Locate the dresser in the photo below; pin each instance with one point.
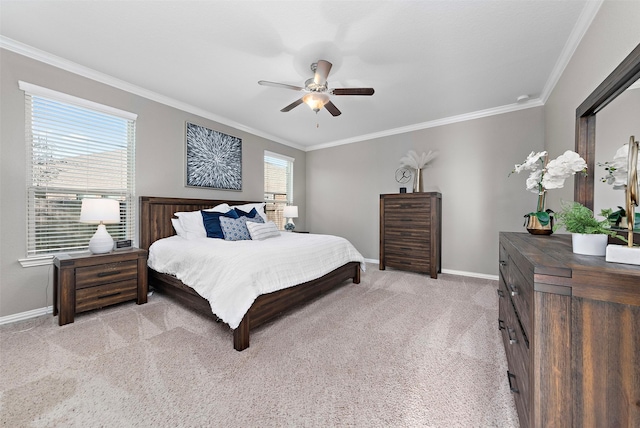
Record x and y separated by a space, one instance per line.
411 232
570 325
85 281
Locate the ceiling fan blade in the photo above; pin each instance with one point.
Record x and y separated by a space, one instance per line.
331 108
279 85
296 103
322 72
353 91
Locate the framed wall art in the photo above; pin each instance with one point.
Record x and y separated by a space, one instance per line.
214 159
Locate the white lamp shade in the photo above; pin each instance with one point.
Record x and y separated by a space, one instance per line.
101 210
290 211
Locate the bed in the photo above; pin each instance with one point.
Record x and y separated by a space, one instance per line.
155 223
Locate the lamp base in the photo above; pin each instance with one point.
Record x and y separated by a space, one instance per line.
101 242
623 254
289 226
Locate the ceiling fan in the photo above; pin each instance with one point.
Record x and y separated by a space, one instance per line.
317 91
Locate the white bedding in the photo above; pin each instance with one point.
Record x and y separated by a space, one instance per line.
232 274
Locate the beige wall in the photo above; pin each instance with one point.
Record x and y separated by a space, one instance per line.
344 184
159 166
612 35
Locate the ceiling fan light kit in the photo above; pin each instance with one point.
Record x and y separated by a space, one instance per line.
317 90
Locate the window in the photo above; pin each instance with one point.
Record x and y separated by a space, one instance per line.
75 149
278 186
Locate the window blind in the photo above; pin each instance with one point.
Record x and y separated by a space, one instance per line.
278 186
74 152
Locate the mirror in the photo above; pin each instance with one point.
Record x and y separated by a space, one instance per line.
613 86
616 123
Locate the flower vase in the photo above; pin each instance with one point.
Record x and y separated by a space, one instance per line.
534 226
417 181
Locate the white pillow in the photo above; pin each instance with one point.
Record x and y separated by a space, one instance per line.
192 223
176 226
260 231
248 207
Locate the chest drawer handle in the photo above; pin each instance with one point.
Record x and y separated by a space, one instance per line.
500 292
511 387
500 324
503 263
512 340
514 290
109 273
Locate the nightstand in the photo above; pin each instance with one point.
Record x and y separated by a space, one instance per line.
85 281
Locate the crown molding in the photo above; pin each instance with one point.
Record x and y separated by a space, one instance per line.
72 67
433 123
583 23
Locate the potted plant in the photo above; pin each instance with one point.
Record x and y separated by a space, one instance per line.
588 235
545 175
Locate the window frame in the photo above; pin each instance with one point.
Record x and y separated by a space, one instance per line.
277 217
37 95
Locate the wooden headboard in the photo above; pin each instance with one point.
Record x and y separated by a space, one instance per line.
156 214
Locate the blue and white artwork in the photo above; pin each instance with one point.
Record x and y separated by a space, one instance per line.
214 159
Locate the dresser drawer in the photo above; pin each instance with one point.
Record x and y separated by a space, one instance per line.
504 261
517 353
406 207
415 264
104 295
395 234
406 246
521 292
91 276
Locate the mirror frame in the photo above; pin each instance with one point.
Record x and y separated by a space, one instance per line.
617 82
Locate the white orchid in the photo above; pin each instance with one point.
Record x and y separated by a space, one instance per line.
412 160
532 162
617 169
561 168
551 175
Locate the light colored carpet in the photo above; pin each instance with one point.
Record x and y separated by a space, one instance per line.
397 350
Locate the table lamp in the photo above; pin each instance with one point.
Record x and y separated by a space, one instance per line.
100 211
290 212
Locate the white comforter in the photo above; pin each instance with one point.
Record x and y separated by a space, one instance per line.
232 274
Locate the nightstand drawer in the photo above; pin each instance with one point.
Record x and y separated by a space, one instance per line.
104 295
91 276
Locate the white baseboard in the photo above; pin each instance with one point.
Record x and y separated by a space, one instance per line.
453 272
26 315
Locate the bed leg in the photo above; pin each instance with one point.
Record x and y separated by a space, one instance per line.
356 277
241 335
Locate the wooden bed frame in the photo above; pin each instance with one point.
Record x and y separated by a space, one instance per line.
155 223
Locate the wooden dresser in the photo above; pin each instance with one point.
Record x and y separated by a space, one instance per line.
411 232
571 331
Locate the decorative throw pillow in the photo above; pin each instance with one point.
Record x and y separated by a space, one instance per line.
259 206
260 231
235 229
192 224
212 222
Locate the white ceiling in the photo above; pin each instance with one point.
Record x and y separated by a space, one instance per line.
429 61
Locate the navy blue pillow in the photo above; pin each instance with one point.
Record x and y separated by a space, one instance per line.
211 222
250 214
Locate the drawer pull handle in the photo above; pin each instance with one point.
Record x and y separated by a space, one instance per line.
511 387
512 340
503 263
500 292
500 324
108 273
108 295
514 290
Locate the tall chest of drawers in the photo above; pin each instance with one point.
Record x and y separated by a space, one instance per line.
411 232
570 325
